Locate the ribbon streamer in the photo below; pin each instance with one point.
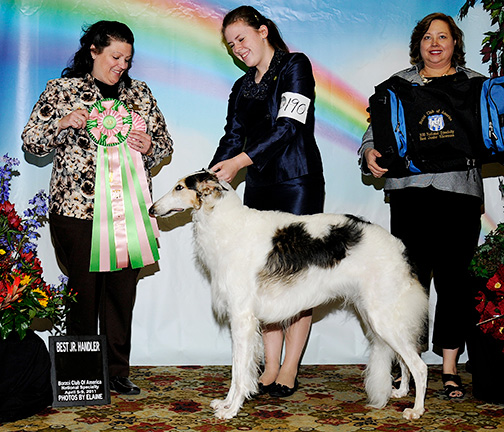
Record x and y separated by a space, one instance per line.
123 232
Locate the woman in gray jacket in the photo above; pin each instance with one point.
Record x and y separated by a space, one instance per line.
436 215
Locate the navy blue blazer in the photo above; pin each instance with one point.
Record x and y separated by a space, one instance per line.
281 149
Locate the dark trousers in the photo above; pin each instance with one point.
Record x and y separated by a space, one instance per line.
440 231
301 196
106 298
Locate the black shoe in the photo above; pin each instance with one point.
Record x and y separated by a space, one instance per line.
449 389
263 389
123 385
283 391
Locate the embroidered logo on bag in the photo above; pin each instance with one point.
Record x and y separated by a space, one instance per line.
436 122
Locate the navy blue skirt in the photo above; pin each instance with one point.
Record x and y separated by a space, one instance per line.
302 196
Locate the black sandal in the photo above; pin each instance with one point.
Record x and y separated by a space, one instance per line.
448 389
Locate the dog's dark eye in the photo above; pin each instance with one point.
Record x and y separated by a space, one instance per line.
179 187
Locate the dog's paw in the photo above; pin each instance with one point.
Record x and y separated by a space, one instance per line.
399 393
217 404
224 414
222 409
412 414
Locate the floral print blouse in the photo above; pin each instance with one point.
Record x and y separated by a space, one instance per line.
74 163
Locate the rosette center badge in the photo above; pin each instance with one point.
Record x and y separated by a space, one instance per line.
109 122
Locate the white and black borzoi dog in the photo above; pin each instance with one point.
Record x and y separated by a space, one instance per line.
267 267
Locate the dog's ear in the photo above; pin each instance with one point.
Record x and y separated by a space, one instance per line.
207 187
209 191
211 186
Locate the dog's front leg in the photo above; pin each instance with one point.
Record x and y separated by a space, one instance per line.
246 341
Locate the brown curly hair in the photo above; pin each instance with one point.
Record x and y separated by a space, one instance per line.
422 27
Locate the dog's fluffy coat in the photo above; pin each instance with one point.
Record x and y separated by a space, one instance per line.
267 267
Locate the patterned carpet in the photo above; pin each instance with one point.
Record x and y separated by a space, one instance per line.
331 397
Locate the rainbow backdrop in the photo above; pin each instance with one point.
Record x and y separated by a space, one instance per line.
192 34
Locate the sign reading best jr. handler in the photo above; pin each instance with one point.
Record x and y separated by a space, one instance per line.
79 370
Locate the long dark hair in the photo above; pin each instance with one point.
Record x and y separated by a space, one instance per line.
99 34
421 28
255 19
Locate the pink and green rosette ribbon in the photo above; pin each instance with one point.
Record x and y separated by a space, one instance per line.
123 231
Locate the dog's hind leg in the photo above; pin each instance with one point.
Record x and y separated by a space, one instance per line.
418 369
378 383
246 342
378 373
405 347
404 384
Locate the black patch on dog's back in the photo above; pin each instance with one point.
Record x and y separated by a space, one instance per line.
294 249
357 219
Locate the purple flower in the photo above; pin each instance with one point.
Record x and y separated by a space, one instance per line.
18 241
39 202
6 164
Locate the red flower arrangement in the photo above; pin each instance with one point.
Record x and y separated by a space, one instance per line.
491 307
24 295
488 263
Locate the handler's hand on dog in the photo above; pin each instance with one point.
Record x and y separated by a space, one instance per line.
227 169
371 155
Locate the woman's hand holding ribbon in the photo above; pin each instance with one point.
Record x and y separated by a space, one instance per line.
76 119
140 141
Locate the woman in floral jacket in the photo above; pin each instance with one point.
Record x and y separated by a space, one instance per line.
58 124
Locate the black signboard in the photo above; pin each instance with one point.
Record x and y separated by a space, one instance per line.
79 370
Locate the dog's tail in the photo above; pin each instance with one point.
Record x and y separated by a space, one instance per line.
378 373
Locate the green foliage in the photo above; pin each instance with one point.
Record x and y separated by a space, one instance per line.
489 256
493 42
